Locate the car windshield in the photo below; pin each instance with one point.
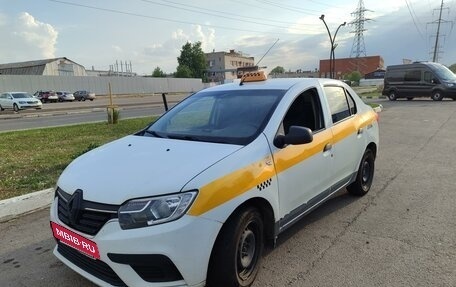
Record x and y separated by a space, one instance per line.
233 117
21 95
444 73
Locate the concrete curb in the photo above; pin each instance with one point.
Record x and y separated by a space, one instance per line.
13 207
378 109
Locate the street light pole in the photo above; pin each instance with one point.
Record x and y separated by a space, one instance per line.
332 56
334 48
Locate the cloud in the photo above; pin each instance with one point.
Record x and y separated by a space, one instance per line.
117 49
25 38
164 54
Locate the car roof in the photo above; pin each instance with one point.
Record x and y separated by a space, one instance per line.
272 84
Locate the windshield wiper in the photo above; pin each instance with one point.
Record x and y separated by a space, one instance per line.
154 133
184 137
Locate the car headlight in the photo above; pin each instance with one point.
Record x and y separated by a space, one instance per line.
450 84
144 212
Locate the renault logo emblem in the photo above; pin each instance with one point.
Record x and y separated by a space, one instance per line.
75 206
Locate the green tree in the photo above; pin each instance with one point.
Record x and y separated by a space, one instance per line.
354 76
453 68
158 73
192 57
278 70
183 72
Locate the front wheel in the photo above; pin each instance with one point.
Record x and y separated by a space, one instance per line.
16 108
365 175
237 252
392 96
1 108
437 96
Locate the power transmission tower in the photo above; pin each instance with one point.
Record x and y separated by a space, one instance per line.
358 47
436 51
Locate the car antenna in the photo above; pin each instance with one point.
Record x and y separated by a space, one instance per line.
257 67
267 51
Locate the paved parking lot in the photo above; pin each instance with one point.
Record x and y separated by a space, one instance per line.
403 233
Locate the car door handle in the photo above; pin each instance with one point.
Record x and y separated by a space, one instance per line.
327 147
360 131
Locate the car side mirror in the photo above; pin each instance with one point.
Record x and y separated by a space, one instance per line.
295 136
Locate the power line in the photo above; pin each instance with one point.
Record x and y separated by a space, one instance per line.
290 8
212 14
324 4
236 15
161 18
413 18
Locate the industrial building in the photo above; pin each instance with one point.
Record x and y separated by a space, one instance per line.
222 66
47 67
344 66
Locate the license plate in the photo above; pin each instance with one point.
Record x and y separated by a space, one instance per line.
78 242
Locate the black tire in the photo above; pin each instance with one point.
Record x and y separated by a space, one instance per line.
437 96
409 98
15 108
91 100
1 108
83 99
365 175
392 96
235 259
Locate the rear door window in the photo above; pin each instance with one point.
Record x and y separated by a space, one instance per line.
341 104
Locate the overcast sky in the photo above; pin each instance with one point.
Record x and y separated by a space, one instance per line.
150 33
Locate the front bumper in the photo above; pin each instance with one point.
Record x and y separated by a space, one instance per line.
186 243
29 106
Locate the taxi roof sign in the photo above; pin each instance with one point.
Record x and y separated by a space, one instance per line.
256 76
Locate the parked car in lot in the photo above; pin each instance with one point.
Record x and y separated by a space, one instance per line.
84 95
233 167
19 101
46 96
419 79
65 96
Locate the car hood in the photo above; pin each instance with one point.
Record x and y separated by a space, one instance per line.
137 166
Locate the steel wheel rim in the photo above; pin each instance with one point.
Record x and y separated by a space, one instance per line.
247 252
366 174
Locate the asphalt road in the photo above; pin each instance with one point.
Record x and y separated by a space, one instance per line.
402 233
60 114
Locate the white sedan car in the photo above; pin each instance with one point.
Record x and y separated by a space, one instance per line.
19 101
192 198
65 96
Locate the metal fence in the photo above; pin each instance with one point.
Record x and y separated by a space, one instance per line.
99 85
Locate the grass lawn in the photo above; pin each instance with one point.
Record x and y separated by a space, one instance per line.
32 160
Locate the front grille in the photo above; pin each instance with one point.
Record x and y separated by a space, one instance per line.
97 268
89 217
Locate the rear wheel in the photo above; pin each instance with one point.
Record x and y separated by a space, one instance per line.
1 108
392 96
83 99
15 108
437 96
236 256
365 175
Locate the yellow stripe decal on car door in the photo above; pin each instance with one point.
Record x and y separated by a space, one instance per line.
242 180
